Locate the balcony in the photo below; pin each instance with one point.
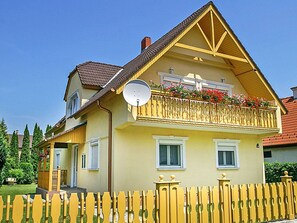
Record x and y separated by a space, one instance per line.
166 109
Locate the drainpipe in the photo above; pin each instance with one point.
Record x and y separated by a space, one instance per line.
109 172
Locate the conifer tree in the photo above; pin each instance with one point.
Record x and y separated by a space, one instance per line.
37 138
3 152
25 155
3 130
14 149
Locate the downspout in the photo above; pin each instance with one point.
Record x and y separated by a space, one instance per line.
109 172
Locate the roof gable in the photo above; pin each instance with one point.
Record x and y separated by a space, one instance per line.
221 42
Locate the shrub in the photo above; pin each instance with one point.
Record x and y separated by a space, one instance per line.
16 173
274 171
27 169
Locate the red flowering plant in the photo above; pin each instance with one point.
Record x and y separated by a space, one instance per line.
211 95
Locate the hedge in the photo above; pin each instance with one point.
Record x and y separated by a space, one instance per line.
273 171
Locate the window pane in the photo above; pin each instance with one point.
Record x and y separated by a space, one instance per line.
229 158
163 155
221 158
94 162
174 155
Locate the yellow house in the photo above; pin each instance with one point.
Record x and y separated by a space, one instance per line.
105 144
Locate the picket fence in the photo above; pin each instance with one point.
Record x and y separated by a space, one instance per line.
169 203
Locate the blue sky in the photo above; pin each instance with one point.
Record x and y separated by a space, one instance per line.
42 41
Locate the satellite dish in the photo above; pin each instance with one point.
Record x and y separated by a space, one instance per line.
137 92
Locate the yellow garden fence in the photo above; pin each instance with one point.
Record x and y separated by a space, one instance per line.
169 203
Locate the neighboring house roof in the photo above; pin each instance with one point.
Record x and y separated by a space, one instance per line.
289 125
20 140
93 75
156 48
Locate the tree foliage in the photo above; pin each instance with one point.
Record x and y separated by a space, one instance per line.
14 149
3 152
3 130
37 138
25 154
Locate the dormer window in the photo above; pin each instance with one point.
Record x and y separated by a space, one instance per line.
72 104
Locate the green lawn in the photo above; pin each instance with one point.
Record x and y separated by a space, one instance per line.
16 189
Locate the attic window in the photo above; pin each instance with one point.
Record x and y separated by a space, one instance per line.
72 104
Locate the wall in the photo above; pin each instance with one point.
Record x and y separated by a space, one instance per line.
282 154
135 158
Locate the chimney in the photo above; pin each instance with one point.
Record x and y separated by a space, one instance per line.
294 89
145 42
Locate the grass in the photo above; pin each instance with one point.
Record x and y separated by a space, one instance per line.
16 190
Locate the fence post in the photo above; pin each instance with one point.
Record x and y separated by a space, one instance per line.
167 199
58 178
225 199
287 180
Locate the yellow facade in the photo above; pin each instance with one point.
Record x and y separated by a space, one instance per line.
135 163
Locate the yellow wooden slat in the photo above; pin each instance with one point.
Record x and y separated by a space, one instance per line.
150 206
114 207
180 205
55 208
251 202
267 202
90 207
106 204
7 208
281 202
274 203
193 199
121 206
204 199
82 207
157 206
37 207
235 203
18 208
46 208
28 207
136 206
73 207
259 203
143 207
295 197
216 205
243 203
98 208
1 208
65 206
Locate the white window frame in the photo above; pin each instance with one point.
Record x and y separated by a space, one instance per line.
197 84
227 142
84 161
90 158
171 140
71 108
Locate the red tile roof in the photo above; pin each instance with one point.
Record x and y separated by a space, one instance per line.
289 125
95 74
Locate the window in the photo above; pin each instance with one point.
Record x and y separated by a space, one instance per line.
72 104
93 158
83 161
170 152
192 83
227 153
267 154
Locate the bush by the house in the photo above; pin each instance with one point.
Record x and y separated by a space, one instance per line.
28 176
18 174
273 171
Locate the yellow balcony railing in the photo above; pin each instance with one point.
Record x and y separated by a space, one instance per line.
164 108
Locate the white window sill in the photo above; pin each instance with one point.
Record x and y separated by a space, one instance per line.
228 168
93 169
171 168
